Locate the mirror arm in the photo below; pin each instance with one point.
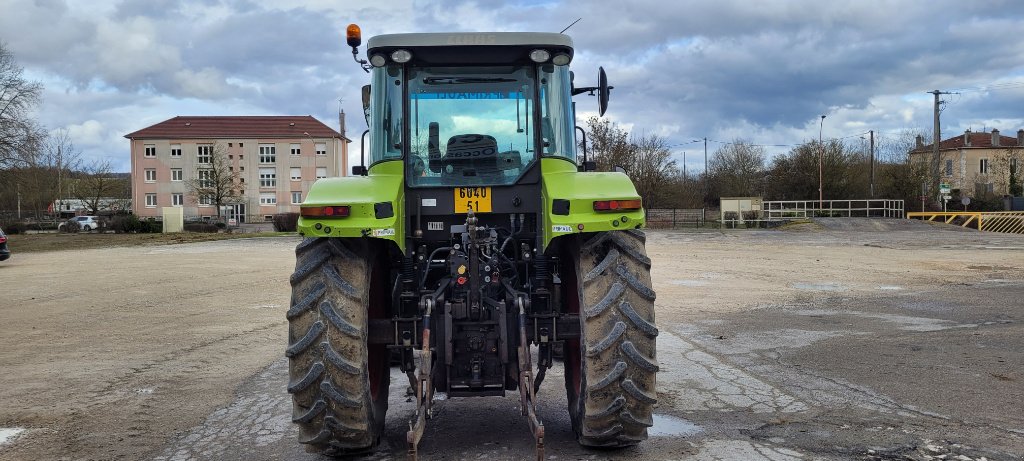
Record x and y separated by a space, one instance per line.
361 169
362 62
585 89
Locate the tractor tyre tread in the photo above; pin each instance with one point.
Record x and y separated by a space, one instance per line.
329 381
617 347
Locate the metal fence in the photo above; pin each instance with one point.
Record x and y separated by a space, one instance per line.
864 208
671 218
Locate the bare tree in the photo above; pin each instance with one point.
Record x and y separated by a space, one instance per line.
651 168
737 169
215 182
40 178
99 189
19 134
609 144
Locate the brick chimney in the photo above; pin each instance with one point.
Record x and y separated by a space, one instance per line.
1020 138
920 141
967 138
995 137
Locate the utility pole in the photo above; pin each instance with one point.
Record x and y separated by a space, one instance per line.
705 170
872 132
936 138
821 154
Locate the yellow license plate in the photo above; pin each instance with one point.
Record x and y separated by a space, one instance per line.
476 198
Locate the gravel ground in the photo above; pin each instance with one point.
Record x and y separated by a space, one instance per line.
836 339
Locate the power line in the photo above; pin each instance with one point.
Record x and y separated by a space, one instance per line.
731 143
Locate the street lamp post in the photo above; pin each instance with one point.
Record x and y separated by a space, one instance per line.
821 153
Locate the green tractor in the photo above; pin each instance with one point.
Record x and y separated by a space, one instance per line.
474 248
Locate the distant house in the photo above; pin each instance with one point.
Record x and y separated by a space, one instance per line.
976 163
277 159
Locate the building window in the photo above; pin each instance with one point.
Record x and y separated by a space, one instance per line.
321 172
177 199
175 150
204 153
983 166
205 178
296 197
267 154
296 149
150 150
1013 166
176 174
949 168
205 200
268 198
321 149
296 174
150 200
150 175
268 177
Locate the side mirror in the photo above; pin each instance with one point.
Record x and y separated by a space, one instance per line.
366 103
359 170
603 91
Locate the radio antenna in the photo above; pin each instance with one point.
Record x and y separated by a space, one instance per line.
570 25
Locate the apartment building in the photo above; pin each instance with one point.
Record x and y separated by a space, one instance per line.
276 159
976 163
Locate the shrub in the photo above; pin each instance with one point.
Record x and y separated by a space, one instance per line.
221 224
151 226
200 226
70 226
286 222
15 228
125 224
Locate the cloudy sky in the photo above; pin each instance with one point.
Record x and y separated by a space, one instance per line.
763 71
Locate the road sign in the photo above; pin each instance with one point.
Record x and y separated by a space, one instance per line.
965 201
947 197
944 189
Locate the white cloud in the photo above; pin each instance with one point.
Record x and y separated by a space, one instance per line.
721 69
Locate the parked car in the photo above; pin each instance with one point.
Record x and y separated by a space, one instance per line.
4 251
85 223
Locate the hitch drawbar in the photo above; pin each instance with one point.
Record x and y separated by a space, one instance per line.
424 385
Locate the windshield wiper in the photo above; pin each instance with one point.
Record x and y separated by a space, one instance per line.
461 80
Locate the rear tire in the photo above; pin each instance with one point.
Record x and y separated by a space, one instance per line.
339 383
610 370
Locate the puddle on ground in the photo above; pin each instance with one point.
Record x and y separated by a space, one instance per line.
9 433
905 322
689 283
668 426
818 286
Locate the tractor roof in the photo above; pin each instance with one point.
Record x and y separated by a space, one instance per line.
539 39
470 47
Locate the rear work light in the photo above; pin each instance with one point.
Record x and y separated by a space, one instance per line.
616 205
325 211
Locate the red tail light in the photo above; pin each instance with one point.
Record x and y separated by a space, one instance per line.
325 211
3 239
616 205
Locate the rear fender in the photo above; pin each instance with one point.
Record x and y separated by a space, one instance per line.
375 202
562 182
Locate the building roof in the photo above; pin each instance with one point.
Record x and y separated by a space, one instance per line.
979 139
249 126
